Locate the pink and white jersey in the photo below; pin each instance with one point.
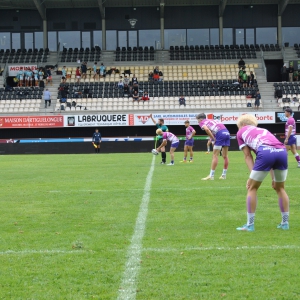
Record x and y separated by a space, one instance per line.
290 122
170 137
188 132
254 137
213 125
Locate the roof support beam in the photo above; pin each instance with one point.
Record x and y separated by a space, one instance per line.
162 8
282 6
102 8
222 6
41 8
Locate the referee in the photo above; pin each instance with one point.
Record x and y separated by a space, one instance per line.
160 125
96 140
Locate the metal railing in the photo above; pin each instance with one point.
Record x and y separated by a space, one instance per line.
263 63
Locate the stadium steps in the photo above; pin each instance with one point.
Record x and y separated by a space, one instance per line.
289 54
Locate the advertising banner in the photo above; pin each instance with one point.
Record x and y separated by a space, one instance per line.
96 120
281 118
14 69
31 121
179 118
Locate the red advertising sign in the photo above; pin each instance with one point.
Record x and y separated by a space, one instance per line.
31 121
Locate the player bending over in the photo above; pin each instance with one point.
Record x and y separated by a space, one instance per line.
271 156
168 136
220 135
189 141
290 134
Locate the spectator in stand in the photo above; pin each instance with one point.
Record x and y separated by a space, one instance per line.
251 79
257 100
49 76
20 77
41 74
134 80
296 75
245 79
95 70
78 74
284 73
102 70
121 83
240 75
47 98
145 96
126 80
36 77
126 90
181 100
135 96
241 63
156 70
83 70
63 94
156 77
150 76
64 74
278 94
291 73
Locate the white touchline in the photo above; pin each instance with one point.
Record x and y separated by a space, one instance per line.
272 247
22 252
128 285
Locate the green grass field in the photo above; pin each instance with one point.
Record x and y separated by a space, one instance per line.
68 230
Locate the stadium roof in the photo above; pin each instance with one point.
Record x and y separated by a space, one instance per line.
37 4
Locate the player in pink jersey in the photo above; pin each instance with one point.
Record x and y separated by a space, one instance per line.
290 134
220 135
168 136
189 141
271 156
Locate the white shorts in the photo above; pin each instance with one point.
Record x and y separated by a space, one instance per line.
279 175
217 147
78 77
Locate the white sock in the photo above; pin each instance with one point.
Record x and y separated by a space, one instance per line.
224 172
212 173
208 149
285 218
250 219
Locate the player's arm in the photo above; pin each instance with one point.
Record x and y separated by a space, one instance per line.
288 134
153 120
100 137
248 157
208 132
192 134
163 144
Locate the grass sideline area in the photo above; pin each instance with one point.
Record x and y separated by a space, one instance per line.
67 223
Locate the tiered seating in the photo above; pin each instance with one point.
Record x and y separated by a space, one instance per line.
290 92
87 54
21 93
24 56
135 54
212 52
207 86
17 106
297 49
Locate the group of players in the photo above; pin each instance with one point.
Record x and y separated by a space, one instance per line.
271 156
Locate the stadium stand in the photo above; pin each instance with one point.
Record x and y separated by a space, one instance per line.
24 56
135 54
87 54
290 94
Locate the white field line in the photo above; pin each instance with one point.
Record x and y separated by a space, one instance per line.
128 285
22 252
271 247
164 188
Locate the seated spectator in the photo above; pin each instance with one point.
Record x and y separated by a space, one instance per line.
145 96
240 75
150 76
134 80
121 83
126 80
135 96
135 87
126 90
156 70
156 77
257 100
181 100
63 95
251 79
241 63
245 79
